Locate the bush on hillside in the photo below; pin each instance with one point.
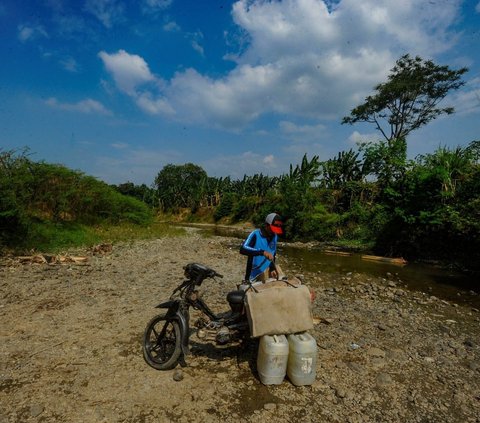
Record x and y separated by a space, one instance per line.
36 192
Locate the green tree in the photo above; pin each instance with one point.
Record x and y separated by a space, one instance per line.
305 174
387 161
409 99
340 170
180 186
54 187
343 178
448 167
141 192
438 212
225 207
15 192
299 198
39 201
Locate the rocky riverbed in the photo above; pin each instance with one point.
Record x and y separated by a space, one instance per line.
70 346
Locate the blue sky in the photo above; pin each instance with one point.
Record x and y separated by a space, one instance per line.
119 88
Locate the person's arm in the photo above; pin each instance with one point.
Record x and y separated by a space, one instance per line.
248 246
272 265
248 249
273 268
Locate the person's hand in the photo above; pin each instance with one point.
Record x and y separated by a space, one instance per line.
268 255
274 274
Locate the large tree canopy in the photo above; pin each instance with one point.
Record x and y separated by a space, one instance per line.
409 99
180 186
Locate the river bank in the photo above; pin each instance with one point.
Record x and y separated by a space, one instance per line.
71 346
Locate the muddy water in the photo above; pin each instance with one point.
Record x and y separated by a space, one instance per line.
443 283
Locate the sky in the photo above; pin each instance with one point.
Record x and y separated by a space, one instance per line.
118 89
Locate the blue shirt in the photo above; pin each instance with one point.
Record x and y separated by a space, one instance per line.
254 246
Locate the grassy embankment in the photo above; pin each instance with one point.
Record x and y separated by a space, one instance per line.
54 238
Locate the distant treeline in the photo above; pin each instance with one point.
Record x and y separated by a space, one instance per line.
427 208
38 199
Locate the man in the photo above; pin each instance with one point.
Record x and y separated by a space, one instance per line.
261 248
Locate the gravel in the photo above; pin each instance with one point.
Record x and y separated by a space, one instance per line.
70 346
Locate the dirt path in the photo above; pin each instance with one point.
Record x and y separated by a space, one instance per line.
70 347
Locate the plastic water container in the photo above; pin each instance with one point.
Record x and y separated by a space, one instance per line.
272 359
302 358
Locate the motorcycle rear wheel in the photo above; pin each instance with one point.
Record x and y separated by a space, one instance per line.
162 343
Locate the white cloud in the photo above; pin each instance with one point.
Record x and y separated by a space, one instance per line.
30 32
155 5
269 160
468 101
69 64
87 106
198 48
171 26
302 132
153 106
196 39
132 76
128 70
231 102
477 7
108 12
119 145
160 4
247 163
357 138
303 59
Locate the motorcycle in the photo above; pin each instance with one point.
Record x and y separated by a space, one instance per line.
166 336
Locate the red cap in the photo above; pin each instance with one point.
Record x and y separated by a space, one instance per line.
276 228
275 223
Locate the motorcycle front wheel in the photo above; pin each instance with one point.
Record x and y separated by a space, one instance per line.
161 343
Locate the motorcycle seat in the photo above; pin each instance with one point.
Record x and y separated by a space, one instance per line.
236 297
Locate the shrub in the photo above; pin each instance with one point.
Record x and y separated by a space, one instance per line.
225 208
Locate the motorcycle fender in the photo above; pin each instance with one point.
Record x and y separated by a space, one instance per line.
168 304
175 314
185 330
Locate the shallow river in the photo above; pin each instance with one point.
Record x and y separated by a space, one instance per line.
442 283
